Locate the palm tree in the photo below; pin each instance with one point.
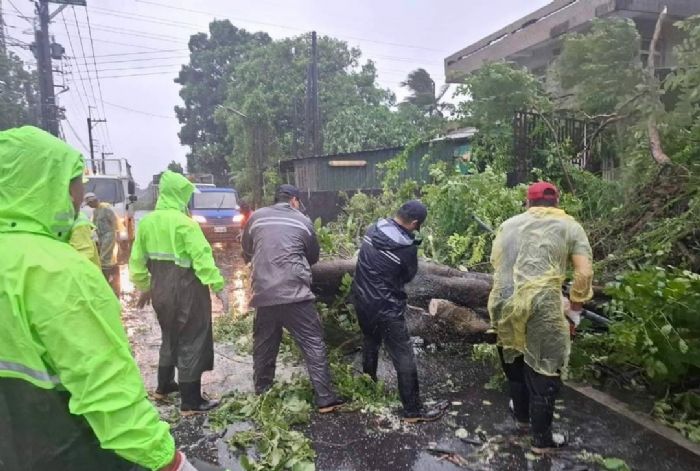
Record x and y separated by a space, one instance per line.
423 95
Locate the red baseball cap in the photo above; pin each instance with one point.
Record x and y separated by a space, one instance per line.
538 191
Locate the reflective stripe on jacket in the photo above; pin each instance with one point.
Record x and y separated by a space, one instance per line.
168 234
281 243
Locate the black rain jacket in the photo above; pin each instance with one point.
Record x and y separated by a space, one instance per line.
388 260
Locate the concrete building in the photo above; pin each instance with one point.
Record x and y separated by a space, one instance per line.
535 40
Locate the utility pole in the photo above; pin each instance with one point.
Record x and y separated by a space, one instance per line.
3 46
312 138
49 119
90 125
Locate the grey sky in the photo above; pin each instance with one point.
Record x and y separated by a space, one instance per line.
133 38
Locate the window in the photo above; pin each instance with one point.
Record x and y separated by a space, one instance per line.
214 200
106 189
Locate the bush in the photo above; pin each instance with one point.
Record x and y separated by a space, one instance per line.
657 325
462 209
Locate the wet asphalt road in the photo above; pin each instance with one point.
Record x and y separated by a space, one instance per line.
361 442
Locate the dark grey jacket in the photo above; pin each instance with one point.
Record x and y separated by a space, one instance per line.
281 243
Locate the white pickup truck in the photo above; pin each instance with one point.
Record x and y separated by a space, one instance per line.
111 181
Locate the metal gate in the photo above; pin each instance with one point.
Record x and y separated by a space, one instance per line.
585 145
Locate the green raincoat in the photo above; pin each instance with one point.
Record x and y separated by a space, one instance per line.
172 259
168 234
530 256
62 346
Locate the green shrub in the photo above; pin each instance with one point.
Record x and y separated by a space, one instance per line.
657 326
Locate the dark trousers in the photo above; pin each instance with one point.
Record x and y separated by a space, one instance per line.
38 432
302 321
392 332
183 306
533 396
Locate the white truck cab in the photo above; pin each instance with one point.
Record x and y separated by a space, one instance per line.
111 181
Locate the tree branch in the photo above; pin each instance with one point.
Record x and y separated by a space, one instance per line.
657 151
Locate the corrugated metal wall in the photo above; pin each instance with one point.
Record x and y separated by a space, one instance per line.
316 174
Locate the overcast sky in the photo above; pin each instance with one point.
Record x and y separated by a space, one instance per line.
139 45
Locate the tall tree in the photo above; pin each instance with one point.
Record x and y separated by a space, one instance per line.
212 59
18 93
176 167
423 94
265 108
601 68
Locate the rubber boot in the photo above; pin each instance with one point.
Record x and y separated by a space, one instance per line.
520 404
192 401
541 415
166 382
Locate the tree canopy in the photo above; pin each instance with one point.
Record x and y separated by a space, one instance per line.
203 83
18 93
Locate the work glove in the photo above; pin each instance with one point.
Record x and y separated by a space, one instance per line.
144 298
223 297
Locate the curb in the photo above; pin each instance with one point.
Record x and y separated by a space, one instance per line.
645 421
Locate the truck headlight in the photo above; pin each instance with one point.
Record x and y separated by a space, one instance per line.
199 219
238 218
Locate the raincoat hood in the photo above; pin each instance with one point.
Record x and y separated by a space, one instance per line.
175 191
35 172
389 235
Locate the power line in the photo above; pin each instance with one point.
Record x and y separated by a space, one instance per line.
77 65
19 13
154 115
77 137
143 59
141 67
139 75
97 76
172 7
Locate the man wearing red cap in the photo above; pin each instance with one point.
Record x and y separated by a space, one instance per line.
530 256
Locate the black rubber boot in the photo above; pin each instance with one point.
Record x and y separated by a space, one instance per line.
541 415
426 414
166 382
519 405
192 401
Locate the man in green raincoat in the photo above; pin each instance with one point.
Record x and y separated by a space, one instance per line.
71 397
172 263
530 256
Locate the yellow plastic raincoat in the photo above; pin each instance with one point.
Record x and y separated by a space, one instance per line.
69 386
82 240
107 226
530 256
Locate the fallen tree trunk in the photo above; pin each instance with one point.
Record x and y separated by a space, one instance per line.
432 281
446 323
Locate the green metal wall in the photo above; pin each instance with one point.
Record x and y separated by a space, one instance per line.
315 174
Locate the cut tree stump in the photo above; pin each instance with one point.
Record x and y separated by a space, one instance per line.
449 323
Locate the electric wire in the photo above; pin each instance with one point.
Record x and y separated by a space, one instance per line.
97 77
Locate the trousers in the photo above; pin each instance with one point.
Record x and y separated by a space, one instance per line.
303 323
533 395
391 332
183 306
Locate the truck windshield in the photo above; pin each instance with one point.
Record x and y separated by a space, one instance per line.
109 190
214 200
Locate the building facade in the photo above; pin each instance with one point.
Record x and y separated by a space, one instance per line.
534 41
